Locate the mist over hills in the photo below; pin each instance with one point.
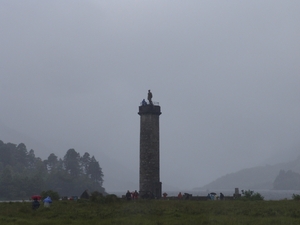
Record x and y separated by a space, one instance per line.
260 177
8 134
118 177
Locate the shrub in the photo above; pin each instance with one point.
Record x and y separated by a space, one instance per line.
96 196
296 197
251 195
53 194
111 198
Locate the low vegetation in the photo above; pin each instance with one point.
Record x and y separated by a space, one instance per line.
52 194
251 195
110 210
296 197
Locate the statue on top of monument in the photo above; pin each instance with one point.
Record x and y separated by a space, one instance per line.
150 97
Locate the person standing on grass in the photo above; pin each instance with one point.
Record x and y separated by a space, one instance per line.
135 195
179 195
35 204
221 196
128 195
165 195
47 201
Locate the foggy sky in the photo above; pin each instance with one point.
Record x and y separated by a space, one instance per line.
225 73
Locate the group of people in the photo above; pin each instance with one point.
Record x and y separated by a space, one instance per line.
132 195
214 196
135 195
184 196
36 204
210 196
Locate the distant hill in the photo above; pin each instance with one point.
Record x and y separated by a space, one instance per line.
261 177
287 180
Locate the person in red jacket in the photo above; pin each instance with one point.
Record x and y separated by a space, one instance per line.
135 195
179 195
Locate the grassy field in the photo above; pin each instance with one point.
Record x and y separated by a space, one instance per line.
158 212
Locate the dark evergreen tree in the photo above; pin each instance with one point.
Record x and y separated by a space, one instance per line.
7 188
22 174
6 155
51 162
31 160
20 157
85 162
95 172
71 162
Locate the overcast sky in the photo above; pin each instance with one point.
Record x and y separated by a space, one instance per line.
225 73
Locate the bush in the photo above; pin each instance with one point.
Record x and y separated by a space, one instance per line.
251 195
96 196
111 198
296 197
52 194
99 198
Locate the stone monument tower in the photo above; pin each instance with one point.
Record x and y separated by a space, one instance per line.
150 185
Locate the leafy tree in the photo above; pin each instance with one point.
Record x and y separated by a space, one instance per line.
52 194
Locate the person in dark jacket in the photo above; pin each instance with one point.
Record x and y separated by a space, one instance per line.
128 195
144 102
221 196
35 204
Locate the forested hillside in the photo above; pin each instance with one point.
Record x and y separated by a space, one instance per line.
287 180
262 177
23 175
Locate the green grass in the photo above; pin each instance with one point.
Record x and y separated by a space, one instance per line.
158 212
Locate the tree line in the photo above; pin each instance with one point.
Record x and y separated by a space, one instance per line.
22 174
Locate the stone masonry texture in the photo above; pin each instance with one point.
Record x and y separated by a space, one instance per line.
149 151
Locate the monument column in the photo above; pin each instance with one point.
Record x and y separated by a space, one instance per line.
150 184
